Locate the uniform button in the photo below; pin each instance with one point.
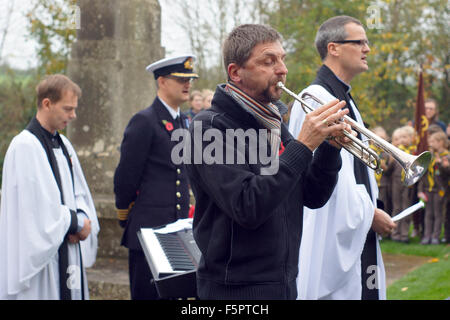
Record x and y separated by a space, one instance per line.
178 195
178 207
179 171
178 182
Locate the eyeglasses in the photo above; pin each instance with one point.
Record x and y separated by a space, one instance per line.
181 80
361 42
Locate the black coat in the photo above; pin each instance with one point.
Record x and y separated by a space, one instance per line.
248 226
146 175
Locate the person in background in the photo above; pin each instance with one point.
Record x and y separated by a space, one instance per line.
196 104
447 210
383 178
401 194
48 222
340 257
411 135
151 190
434 188
419 216
411 148
207 98
432 113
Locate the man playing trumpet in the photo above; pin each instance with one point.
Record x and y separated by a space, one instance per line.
340 257
247 225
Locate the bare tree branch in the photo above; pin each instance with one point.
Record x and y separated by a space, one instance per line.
9 11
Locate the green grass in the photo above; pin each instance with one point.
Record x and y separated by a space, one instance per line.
414 248
431 281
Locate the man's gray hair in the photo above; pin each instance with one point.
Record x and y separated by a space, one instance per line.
239 44
332 30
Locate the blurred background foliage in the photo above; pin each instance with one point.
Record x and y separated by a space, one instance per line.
47 25
409 34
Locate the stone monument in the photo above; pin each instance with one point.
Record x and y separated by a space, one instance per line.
116 40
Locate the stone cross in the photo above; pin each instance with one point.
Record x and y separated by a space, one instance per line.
116 40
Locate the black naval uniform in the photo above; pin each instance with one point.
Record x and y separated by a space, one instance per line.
148 183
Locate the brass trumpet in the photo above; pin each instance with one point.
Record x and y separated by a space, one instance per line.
413 166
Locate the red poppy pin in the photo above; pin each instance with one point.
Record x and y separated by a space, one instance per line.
280 152
168 125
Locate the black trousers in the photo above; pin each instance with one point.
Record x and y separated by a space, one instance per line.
141 284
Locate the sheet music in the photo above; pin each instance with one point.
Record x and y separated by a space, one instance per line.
408 211
176 226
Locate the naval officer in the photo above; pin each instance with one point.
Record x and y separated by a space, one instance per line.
150 190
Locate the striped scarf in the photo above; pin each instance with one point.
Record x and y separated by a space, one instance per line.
267 115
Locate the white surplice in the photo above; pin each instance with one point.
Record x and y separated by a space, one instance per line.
33 222
334 235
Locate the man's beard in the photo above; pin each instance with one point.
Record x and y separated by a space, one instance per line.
267 96
263 96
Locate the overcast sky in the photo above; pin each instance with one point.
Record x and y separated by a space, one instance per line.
19 51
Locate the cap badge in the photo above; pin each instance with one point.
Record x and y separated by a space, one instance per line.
188 64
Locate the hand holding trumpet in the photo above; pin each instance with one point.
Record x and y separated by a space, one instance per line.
322 123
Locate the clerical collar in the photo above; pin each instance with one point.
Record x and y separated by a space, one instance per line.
346 86
172 112
326 71
53 138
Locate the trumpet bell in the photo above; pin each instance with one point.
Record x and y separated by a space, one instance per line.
416 168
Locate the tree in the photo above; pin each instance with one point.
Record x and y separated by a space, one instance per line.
206 25
4 26
50 26
412 33
17 101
